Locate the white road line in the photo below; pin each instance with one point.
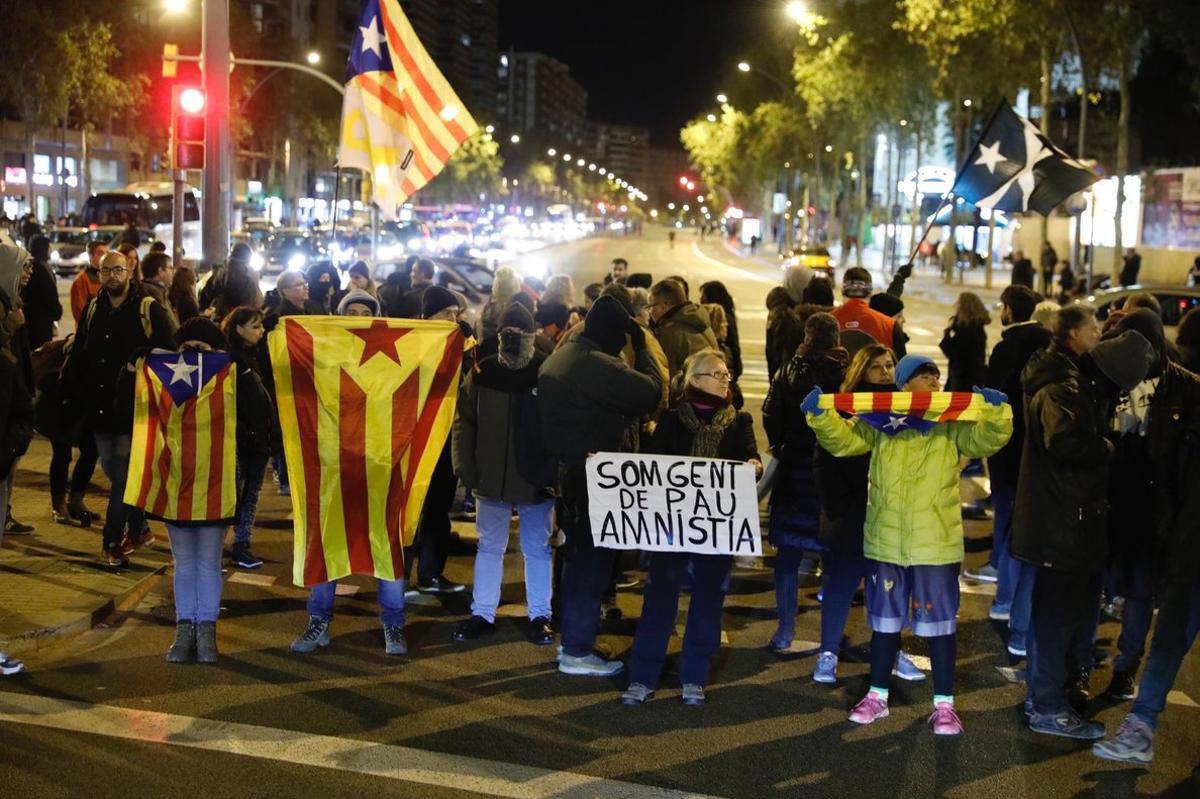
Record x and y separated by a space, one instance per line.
723 265
325 751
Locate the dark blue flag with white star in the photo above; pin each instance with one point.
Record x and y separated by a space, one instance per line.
1013 167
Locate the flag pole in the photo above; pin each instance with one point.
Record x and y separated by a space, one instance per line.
957 177
337 185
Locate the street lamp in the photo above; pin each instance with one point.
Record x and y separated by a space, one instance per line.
313 57
828 148
490 129
722 98
743 66
711 117
552 152
799 13
566 156
175 6
515 139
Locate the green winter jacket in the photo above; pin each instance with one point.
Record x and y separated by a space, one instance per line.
913 505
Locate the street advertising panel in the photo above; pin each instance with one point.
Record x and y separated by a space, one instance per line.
673 503
1171 214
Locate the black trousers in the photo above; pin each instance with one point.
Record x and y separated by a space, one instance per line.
1064 610
432 543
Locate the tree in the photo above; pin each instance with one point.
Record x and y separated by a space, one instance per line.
474 169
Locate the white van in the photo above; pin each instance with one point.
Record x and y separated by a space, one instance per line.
148 206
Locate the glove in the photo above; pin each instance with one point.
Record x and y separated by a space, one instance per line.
990 395
905 271
809 404
637 336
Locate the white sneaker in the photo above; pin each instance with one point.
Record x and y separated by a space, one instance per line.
590 666
9 666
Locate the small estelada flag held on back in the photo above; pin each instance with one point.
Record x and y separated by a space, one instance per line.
892 413
1014 167
365 406
183 456
401 121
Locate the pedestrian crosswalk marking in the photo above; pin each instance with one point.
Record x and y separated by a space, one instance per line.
369 758
252 578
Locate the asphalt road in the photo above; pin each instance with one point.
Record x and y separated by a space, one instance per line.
103 715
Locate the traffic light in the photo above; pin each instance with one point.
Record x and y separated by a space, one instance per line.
187 127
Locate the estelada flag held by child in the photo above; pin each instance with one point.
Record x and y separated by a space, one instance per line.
365 406
182 459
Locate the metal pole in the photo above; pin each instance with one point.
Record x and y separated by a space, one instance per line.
218 172
180 177
337 185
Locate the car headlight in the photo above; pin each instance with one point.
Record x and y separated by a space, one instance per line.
55 255
415 244
256 260
297 261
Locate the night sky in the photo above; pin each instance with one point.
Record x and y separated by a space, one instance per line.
651 63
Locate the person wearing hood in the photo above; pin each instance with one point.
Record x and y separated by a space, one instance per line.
588 396
358 302
16 268
1021 338
1172 437
1150 428
1061 511
40 296
795 508
323 283
391 293
497 453
913 533
704 425
681 327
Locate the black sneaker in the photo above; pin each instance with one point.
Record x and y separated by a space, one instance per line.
440 585
540 631
1079 688
243 558
1066 725
473 628
1122 686
14 527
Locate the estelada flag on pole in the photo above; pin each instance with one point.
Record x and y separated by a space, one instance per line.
183 455
904 410
401 121
365 406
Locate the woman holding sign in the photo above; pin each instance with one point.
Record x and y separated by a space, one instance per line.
703 425
913 535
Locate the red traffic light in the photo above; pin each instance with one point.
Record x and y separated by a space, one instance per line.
191 101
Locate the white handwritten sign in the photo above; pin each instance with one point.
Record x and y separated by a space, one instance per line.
670 503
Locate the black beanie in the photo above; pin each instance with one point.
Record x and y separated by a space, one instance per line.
1124 359
1149 324
524 300
820 332
552 313
606 324
516 316
201 328
437 299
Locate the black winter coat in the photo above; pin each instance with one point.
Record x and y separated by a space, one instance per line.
795 503
108 340
1060 518
42 306
16 412
1012 352
586 397
258 430
965 346
673 437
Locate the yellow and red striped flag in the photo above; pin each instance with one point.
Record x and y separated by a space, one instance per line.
183 456
401 121
892 412
366 406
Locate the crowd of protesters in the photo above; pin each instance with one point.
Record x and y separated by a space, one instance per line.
1092 480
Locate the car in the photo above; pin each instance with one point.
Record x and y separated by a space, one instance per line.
816 258
68 249
109 233
467 276
1174 300
289 248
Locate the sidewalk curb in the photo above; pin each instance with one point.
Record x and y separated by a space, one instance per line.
36 640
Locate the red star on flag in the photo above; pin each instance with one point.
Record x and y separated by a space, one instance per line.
379 338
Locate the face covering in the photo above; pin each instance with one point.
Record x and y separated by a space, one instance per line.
516 348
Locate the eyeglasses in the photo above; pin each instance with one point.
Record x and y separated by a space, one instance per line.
113 270
723 377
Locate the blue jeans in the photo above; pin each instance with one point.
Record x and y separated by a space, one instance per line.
586 567
113 449
491 521
844 573
787 583
197 554
1003 496
280 465
391 601
1178 623
1137 571
660 605
252 469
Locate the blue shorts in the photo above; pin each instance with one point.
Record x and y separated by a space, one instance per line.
928 595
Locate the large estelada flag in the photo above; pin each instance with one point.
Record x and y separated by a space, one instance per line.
1013 167
401 121
904 410
183 456
366 406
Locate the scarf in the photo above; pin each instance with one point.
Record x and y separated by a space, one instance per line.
516 348
706 436
893 412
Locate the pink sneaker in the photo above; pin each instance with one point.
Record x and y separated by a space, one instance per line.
945 721
870 708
